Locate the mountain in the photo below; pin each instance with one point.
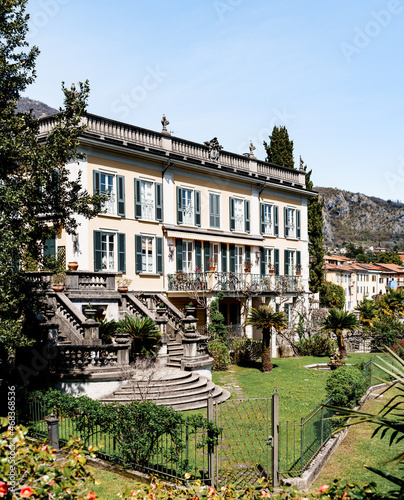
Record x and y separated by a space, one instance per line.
357 218
39 109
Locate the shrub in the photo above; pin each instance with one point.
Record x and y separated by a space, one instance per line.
217 329
346 385
144 331
318 345
245 350
398 348
107 330
332 295
220 353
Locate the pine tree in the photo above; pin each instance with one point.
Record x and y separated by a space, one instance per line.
280 149
36 195
315 228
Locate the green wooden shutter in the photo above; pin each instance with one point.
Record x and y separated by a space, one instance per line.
198 254
49 247
206 255
298 259
120 180
276 220
97 251
298 231
263 261
285 221
178 251
159 201
286 263
121 253
247 216
197 195
179 209
276 261
138 254
262 211
96 182
232 258
138 199
159 255
224 257
247 253
232 217
212 217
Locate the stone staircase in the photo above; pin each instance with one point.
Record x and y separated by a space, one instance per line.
169 387
175 352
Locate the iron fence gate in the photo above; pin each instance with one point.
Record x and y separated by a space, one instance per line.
243 454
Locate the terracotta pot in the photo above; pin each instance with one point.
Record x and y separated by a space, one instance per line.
122 289
212 268
272 271
58 287
73 266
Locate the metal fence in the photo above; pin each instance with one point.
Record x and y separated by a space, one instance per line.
168 461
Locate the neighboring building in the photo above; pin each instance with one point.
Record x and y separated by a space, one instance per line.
360 280
189 220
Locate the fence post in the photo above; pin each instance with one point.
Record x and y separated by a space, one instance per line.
370 371
211 448
275 438
53 433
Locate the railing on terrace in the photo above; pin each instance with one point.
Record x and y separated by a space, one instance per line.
148 139
169 461
233 282
85 357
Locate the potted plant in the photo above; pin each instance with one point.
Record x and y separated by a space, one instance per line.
190 309
161 308
123 284
73 265
90 311
298 269
271 268
212 263
58 281
247 265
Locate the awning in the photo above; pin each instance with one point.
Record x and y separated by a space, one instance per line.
202 236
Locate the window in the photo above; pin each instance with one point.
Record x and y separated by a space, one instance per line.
270 261
187 263
239 215
148 200
188 207
214 255
112 186
292 223
214 210
292 262
109 251
149 254
239 259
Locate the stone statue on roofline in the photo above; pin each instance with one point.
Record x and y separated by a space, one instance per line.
165 122
214 148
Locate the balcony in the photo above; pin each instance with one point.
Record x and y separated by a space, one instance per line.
233 282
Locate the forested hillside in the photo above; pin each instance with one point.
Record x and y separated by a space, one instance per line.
39 108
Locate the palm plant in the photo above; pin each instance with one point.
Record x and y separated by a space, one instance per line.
143 330
392 302
390 419
369 310
337 321
264 318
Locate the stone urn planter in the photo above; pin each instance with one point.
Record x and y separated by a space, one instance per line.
73 265
190 311
58 287
90 312
123 289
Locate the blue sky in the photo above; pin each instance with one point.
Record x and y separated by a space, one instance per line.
331 72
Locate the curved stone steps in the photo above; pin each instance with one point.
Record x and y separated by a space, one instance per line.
171 387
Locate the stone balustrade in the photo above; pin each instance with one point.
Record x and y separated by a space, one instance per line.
85 357
164 144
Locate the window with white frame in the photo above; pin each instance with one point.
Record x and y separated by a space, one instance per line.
290 226
292 262
214 210
147 199
239 214
188 207
107 187
108 251
239 259
149 254
268 256
112 186
267 220
215 252
187 256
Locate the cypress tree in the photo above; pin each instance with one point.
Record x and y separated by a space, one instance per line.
280 149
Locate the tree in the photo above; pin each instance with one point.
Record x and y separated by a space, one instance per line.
37 197
387 258
264 318
332 295
280 149
369 310
315 228
392 303
337 321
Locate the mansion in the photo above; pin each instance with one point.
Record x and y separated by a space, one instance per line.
185 221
